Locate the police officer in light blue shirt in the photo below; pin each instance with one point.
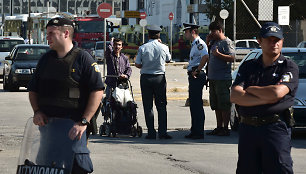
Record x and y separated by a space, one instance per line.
197 80
151 60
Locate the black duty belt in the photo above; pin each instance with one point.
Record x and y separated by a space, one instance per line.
190 72
259 121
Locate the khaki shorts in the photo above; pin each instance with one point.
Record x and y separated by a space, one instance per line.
219 94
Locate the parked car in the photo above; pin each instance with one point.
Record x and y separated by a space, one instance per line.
21 64
243 47
6 45
98 52
302 44
298 55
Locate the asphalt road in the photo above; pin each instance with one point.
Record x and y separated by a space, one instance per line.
124 155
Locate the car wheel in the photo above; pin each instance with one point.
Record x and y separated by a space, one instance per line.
234 120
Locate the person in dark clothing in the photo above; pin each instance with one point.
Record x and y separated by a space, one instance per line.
66 84
264 91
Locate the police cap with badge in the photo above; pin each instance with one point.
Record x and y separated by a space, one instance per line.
60 22
154 29
271 29
190 26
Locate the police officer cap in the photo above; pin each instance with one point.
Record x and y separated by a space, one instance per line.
60 22
188 26
271 29
154 28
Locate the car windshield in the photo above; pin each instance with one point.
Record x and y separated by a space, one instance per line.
300 59
90 26
30 53
7 45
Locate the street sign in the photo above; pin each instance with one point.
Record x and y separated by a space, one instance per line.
171 16
143 15
283 15
223 14
131 14
143 22
104 10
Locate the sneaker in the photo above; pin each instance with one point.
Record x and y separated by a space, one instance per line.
215 131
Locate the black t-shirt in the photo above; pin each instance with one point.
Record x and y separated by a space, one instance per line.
84 70
252 73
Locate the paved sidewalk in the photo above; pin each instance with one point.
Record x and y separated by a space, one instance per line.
177 83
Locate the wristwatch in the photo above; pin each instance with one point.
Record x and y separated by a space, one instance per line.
84 122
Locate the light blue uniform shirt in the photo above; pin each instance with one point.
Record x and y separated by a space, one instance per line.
198 50
153 56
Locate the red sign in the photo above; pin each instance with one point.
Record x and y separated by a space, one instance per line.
104 10
143 15
171 16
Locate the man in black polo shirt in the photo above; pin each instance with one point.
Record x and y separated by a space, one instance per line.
264 91
66 84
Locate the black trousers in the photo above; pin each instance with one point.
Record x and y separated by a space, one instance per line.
196 103
154 86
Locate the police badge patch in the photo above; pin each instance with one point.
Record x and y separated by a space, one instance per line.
96 66
200 47
286 78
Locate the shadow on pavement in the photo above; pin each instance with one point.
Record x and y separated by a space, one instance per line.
177 138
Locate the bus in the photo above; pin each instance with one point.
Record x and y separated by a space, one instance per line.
89 30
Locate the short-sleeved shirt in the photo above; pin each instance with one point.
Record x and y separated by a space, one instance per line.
198 50
84 70
252 73
153 56
219 69
116 65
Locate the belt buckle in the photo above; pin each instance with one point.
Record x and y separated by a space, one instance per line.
255 121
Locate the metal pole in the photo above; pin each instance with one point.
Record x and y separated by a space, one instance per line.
67 5
224 25
171 37
113 4
234 27
104 62
143 34
75 7
29 23
120 8
250 12
11 9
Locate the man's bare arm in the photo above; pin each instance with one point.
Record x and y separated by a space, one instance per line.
243 98
271 92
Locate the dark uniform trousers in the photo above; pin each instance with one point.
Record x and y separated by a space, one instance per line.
264 149
196 103
154 86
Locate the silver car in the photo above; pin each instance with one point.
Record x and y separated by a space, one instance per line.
98 52
7 43
298 55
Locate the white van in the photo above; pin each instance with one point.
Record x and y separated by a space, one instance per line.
243 47
7 43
